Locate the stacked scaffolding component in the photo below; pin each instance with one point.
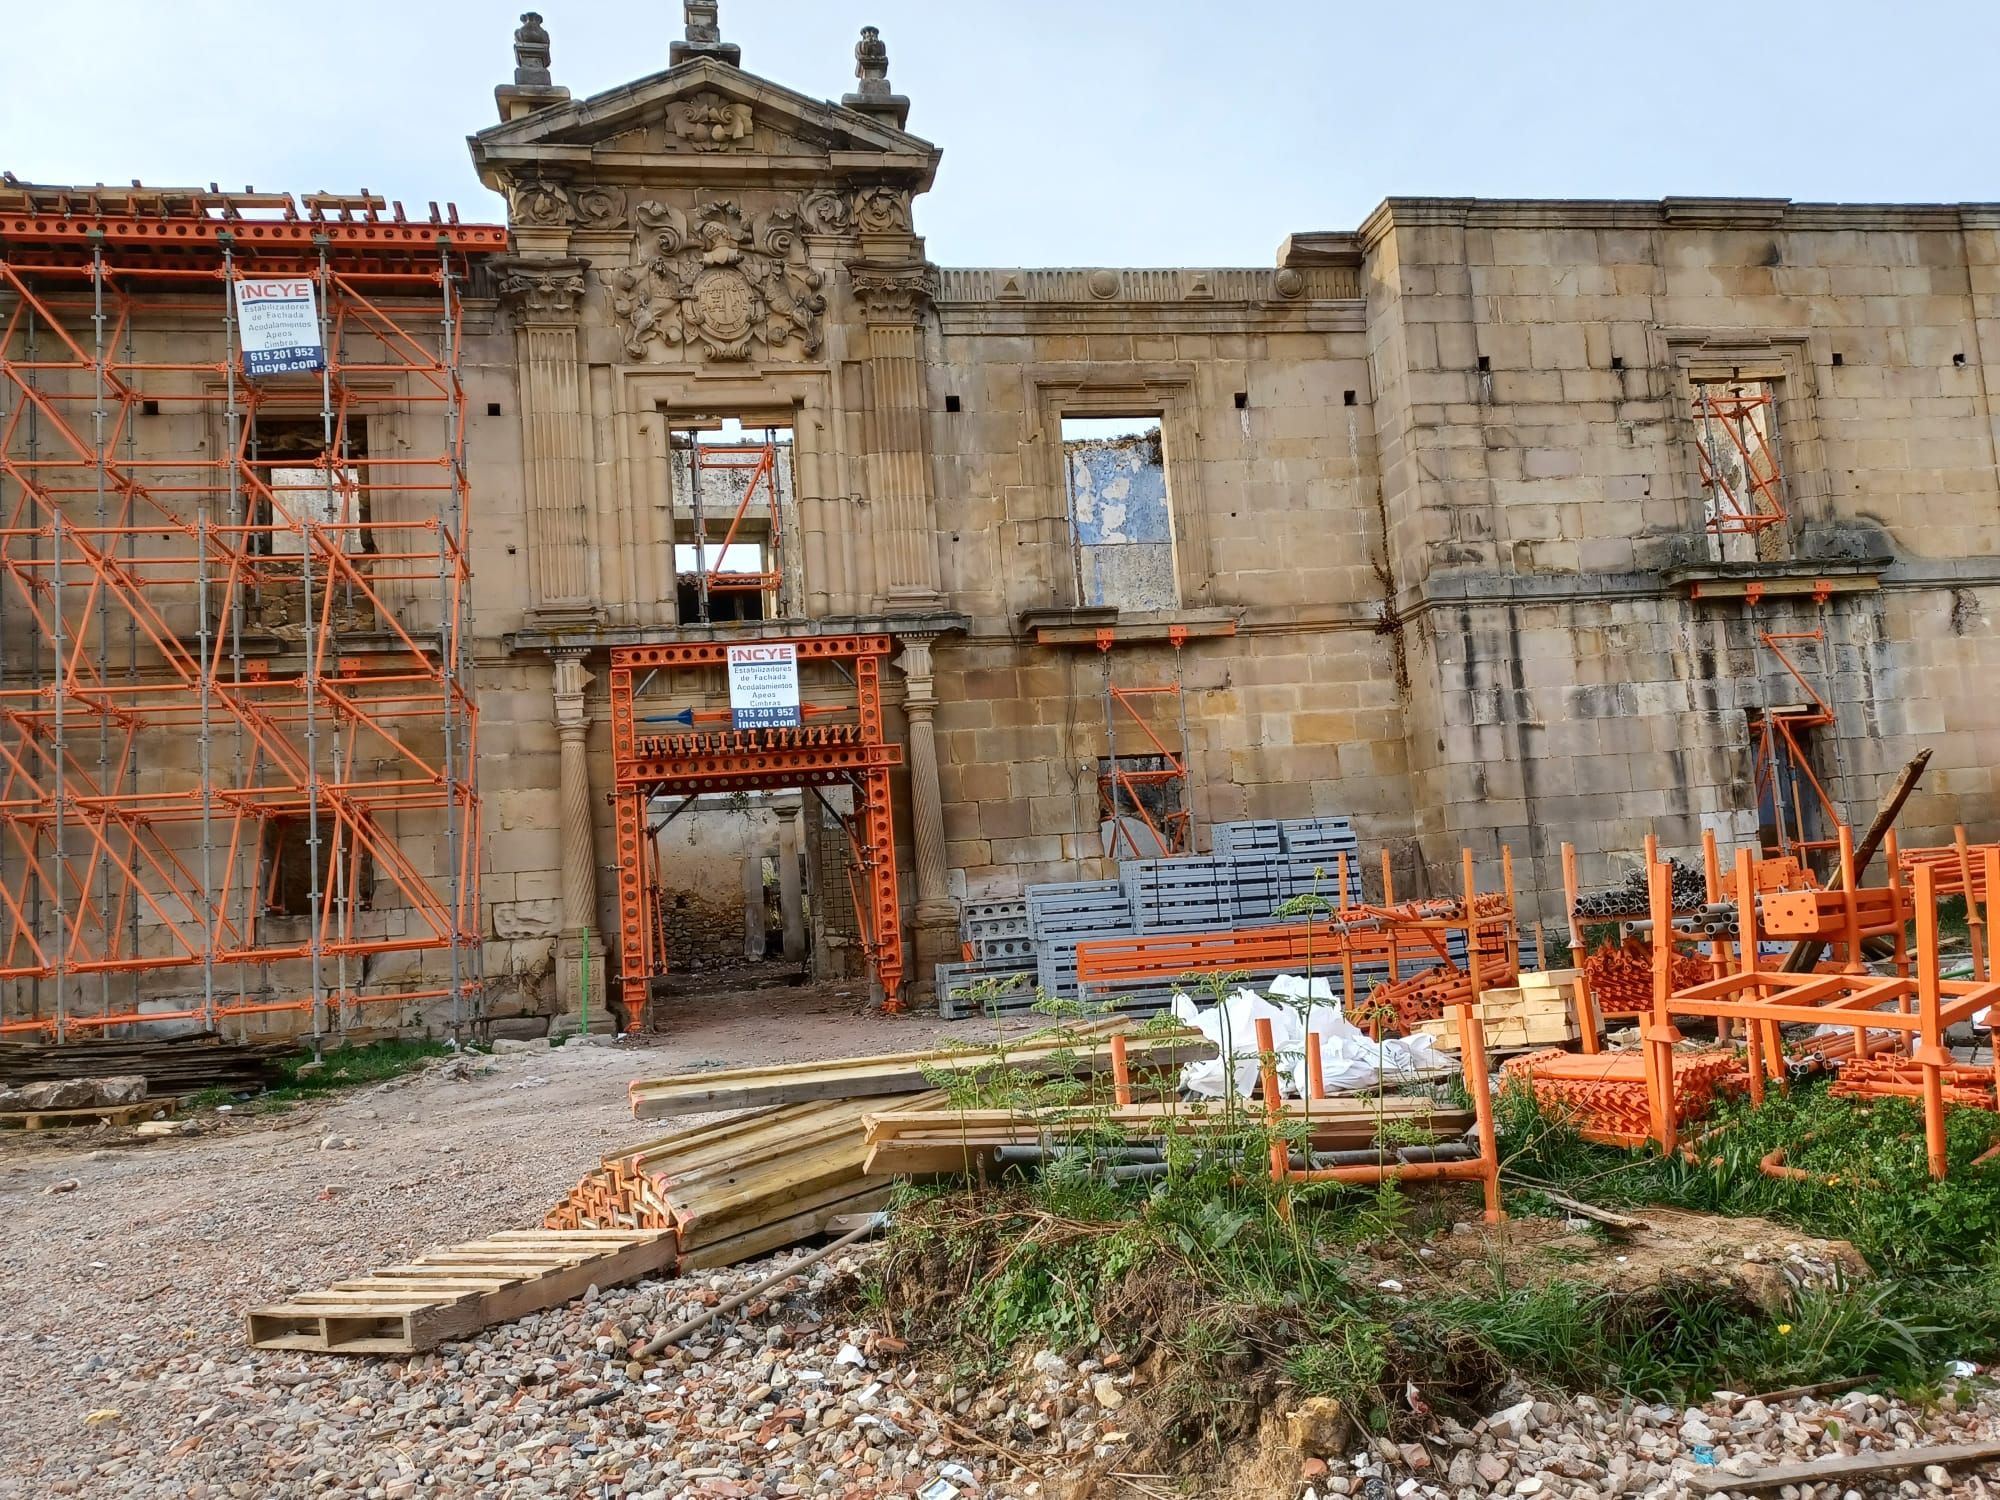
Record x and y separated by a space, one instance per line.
232 666
1256 868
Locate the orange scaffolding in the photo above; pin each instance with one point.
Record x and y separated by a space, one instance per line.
1739 468
218 657
849 747
758 465
1145 768
1784 772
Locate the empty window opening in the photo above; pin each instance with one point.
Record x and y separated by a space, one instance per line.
1120 515
287 457
734 514
346 876
951 403
1742 479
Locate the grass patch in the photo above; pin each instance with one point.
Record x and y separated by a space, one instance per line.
346 1068
1230 1298
1874 1187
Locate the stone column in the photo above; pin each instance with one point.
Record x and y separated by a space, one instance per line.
754 930
936 912
895 299
579 860
545 295
791 891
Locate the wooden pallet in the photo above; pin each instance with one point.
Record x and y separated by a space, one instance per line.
99 1114
451 1293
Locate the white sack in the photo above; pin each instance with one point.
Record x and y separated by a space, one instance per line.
1349 1057
1232 1027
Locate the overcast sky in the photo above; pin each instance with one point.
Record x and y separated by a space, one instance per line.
1075 132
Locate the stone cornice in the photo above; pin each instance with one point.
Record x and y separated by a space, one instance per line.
1277 286
1665 214
599 638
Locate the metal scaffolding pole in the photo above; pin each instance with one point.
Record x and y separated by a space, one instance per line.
309 532
451 628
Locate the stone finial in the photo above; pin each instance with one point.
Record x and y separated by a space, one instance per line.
871 62
531 53
871 66
703 36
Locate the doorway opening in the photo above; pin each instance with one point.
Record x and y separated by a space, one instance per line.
675 712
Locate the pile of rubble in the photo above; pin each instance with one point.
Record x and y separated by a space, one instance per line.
1583 1448
791 1396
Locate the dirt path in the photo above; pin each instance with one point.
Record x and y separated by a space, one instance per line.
162 1245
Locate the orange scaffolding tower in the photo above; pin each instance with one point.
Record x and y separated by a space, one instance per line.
227 666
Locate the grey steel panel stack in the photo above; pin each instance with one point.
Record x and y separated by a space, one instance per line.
1181 895
1257 866
1061 916
996 934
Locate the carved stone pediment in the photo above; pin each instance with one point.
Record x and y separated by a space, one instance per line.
700 110
718 283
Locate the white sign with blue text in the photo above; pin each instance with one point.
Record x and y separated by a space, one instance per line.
764 685
277 323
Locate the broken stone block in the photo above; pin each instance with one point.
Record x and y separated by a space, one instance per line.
1318 1426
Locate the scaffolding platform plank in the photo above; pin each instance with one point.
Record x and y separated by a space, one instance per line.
448 1294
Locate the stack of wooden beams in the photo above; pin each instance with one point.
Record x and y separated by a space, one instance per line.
793 1156
183 1065
737 1188
1081 1052
925 1139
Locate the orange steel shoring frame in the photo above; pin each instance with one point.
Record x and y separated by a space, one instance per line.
1177 836
762 462
1918 1007
648 766
1732 416
118 861
1484 1168
1776 725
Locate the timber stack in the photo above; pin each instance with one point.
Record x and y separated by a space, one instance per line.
794 1153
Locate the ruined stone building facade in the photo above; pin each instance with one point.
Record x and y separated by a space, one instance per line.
1427 520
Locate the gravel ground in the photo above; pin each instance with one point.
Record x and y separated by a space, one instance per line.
125 1374
130 1263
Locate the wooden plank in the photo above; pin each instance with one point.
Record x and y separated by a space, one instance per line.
787 1231
896 1073
1860 1466
100 1114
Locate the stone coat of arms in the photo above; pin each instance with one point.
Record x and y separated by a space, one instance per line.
722 280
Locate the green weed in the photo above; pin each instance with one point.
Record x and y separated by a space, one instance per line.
348 1067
